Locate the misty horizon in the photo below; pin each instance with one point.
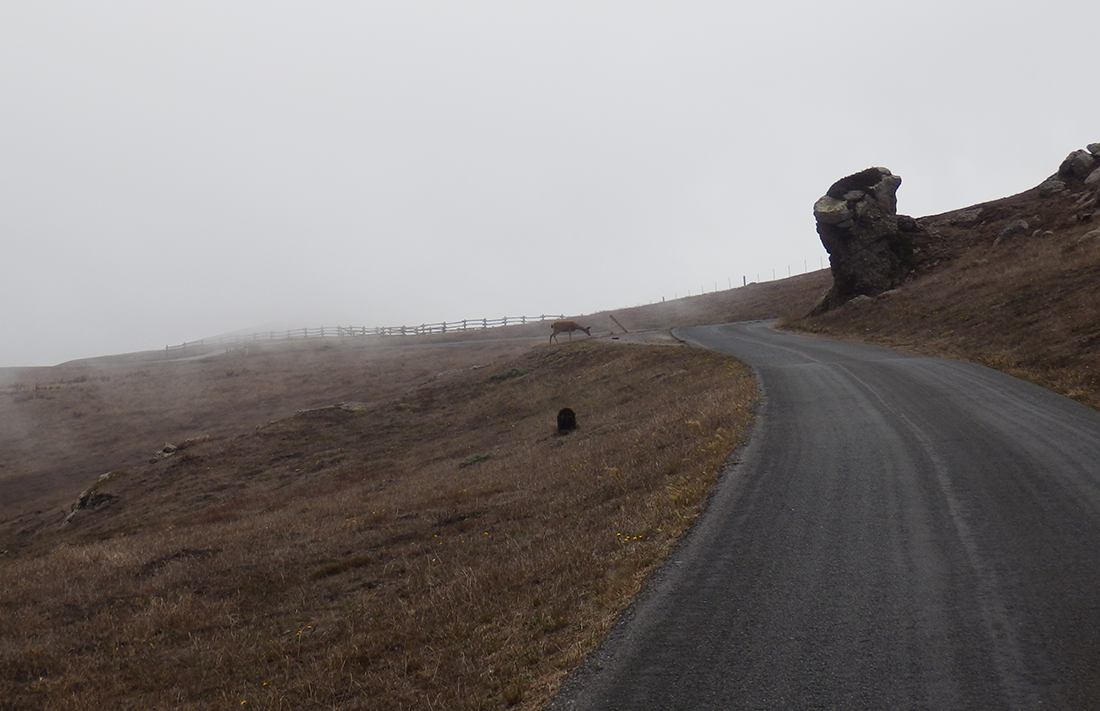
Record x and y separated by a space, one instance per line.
171 172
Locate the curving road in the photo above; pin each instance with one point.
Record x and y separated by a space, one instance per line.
900 533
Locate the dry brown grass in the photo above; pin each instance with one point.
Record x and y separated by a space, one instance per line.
60 427
444 548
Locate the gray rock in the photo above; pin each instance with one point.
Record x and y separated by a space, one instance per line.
1051 186
1094 177
857 221
886 191
1016 227
88 499
1078 165
91 499
163 453
860 181
1094 148
831 211
965 217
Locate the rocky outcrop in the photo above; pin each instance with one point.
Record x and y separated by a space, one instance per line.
872 249
1093 178
163 453
1051 186
90 498
868 243
1083 165
1078 164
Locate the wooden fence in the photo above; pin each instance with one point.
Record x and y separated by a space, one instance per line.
348 331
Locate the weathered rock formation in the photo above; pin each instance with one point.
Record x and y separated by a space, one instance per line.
1080 165
89 499
873 250
869 250
163 453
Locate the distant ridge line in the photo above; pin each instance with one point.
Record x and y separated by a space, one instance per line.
477 324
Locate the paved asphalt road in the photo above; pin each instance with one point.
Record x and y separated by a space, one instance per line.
900 533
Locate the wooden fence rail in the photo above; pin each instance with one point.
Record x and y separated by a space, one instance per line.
347 331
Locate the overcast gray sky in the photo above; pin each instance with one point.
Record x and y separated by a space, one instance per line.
175 170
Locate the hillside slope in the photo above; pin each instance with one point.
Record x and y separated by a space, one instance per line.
356 523
63 426
1012 283
444 547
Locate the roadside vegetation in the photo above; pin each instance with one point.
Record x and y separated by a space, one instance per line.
444 548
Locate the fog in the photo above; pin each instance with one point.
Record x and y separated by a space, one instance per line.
171 171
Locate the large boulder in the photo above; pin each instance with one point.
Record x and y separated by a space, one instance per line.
1078 165
857 221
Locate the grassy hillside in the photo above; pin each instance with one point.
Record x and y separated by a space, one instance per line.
355 523
442 547
61 427
1027 304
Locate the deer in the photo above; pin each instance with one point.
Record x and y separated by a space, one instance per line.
569 327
